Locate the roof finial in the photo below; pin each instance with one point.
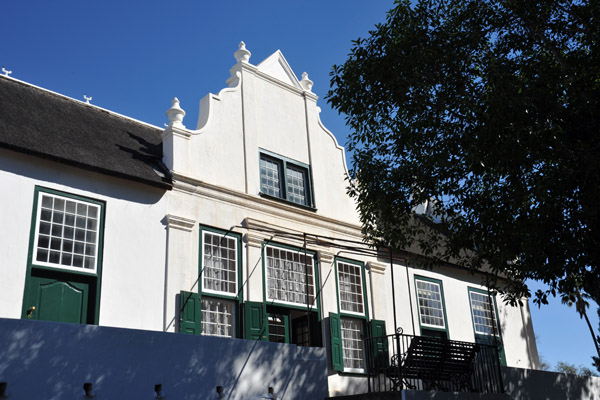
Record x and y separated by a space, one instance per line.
6 72
306 83
87 98
175 114
242 55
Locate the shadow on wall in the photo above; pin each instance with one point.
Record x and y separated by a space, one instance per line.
53 360
527 384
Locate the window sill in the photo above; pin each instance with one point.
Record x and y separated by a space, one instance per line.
65 270
284 201
353 372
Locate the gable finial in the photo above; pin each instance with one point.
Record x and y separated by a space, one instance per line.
6 72
87 98
175 114
306 83
242 55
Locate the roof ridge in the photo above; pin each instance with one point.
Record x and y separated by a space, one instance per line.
80 102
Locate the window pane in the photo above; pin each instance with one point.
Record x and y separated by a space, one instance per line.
352 347
219 263
61 216
270 181
217 317
288 278
350 287
277 328
296 184
430 303
484 314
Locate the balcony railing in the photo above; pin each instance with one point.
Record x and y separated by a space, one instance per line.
400 361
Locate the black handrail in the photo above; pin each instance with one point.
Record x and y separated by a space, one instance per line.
400 361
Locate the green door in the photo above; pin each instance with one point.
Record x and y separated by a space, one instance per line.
52 299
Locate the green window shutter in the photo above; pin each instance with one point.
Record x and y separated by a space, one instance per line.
337 353
379 343
190 313
255 317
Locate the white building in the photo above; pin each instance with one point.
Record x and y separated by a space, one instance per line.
240 228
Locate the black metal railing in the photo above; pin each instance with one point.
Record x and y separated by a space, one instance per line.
400 361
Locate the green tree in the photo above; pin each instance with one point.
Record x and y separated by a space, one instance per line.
567 368
488 112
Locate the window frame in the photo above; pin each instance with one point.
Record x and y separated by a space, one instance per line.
496 316
309 253
283 163
35 236
237 297
488 338
427 326
238 275
234 315
348 315
362 322
351 314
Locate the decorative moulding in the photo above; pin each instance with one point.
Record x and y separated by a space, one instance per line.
186 184
175 131
180 223
269 231
376 267
277 67
254 239
306 83
326 257
175 114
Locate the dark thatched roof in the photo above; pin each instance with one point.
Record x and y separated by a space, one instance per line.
48 125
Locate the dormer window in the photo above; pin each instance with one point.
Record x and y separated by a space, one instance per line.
285 179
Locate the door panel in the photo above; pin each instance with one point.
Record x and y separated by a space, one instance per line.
255 321
52 299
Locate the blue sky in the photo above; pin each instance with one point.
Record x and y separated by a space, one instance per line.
133 57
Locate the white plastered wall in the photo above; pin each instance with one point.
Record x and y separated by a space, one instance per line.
134 238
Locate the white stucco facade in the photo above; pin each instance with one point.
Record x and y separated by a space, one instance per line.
152 237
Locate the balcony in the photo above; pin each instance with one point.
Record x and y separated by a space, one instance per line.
399 361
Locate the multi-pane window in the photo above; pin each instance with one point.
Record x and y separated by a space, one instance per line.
290 276
431 308
296 184
350 287
219 263
352 344
277 328
67 233
484 314
270 177
285 179
217 317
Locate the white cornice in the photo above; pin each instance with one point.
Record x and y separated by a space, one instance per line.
263 75
175 131
184 224
376 267
326 257
273 208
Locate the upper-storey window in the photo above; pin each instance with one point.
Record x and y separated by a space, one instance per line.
350 287
219 293
285 179
67 232
430 300
219 262
484 313
290 276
